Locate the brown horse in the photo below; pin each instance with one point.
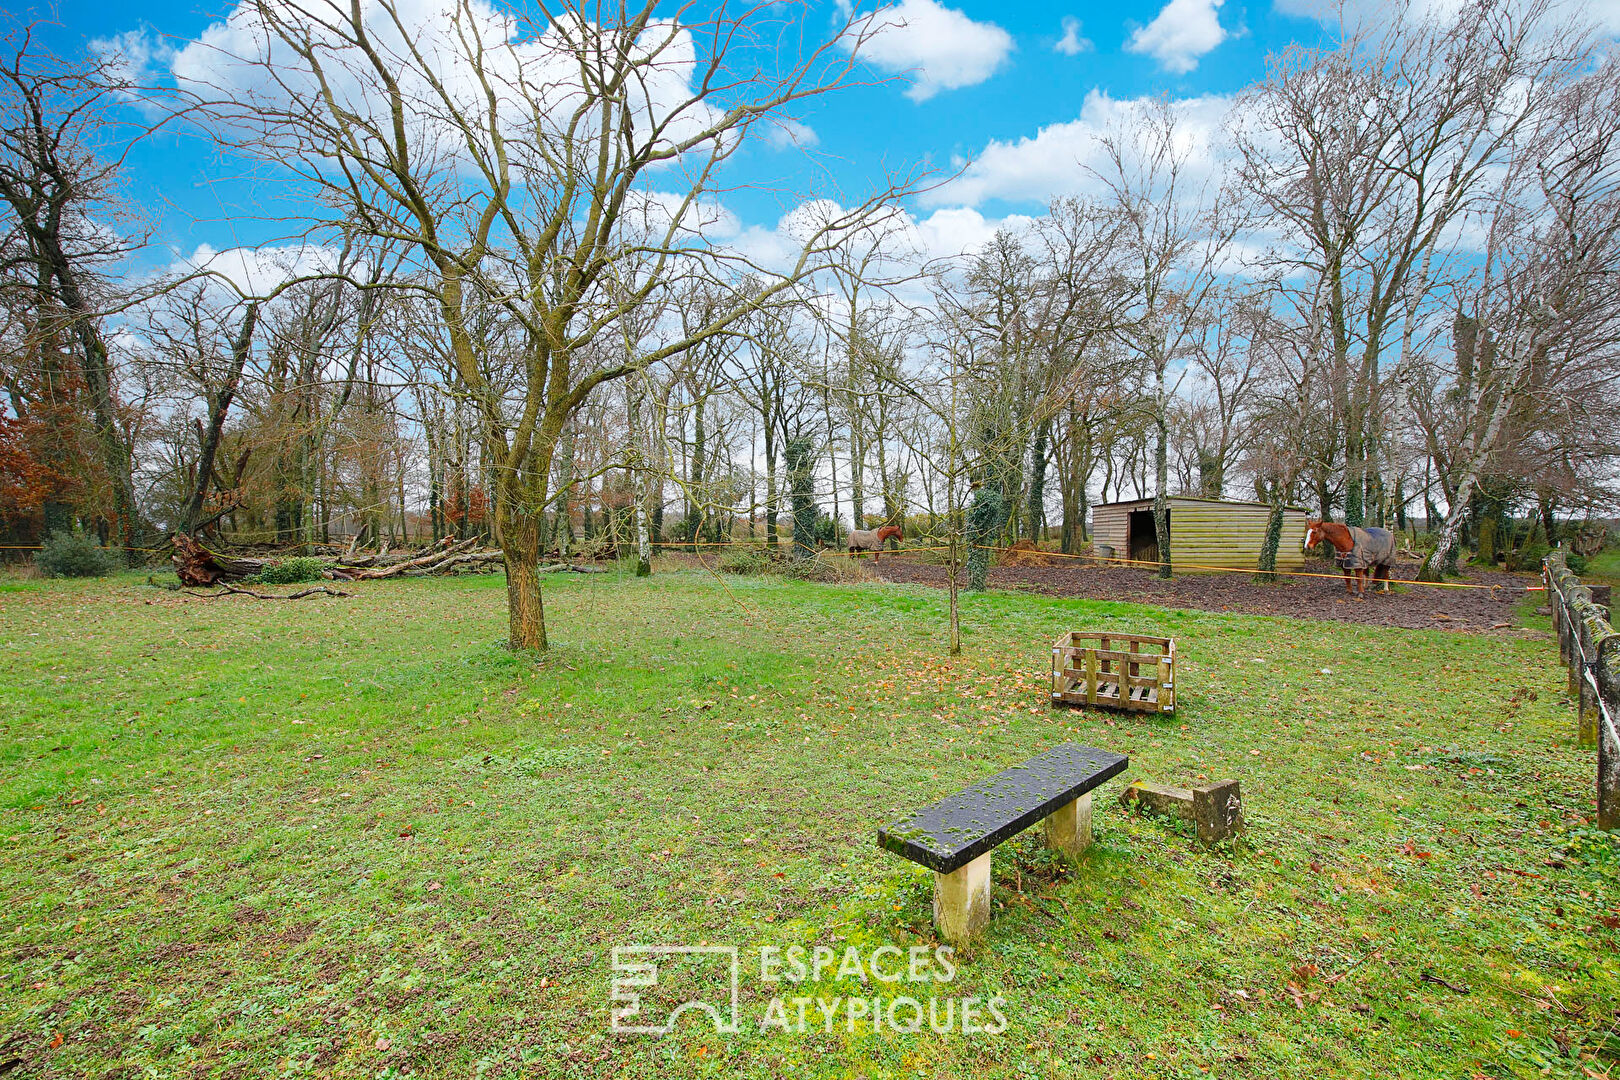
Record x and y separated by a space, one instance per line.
872 539
1376 552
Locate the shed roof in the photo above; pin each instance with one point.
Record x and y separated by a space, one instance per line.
1198 499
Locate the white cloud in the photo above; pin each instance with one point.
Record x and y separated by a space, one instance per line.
135 55
904 241
1057 159
534 75
258 271
1181 33
960 230
1071 43
655 211
783 132
1604 14
939 47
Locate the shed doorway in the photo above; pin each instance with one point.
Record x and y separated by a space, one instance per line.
1142 539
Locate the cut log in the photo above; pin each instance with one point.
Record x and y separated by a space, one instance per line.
197 566
446 565
422 562
385 558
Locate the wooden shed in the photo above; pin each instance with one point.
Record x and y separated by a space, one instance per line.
1211 532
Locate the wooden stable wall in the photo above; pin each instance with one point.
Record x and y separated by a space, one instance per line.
1207 531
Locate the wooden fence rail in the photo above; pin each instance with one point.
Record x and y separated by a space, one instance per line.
1590 647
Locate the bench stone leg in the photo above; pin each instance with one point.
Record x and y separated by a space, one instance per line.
1068 828
962 900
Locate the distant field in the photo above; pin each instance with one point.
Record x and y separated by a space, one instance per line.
357 838
1605 565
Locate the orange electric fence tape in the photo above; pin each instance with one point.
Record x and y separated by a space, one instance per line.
1241 570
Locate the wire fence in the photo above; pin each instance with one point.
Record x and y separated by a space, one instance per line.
1589 646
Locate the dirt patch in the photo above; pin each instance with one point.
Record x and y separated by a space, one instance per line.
1410 606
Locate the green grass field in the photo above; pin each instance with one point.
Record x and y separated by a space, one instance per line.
357 838
1604 566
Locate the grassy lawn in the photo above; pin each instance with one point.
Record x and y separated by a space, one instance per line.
357 838
1605 565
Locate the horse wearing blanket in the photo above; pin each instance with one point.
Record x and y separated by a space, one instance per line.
872 539
1360 551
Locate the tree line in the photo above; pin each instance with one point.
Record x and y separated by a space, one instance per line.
1383 289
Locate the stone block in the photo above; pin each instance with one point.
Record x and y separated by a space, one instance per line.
1216 809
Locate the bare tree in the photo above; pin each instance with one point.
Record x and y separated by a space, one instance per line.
1176 229
1544 300
62 150
1363 155
517 171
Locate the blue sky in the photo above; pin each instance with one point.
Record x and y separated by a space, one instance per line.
967 77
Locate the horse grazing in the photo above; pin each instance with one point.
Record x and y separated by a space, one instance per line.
1359 551
872 539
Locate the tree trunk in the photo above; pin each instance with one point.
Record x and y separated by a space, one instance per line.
97 372
1485 553
984 522
1273 541
801 469
1037 482
1161 473
1211 475
526 614
771 509
1354 476
638 478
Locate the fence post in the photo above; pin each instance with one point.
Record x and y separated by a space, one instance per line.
1607 674
1577 652
1589 633
1552 569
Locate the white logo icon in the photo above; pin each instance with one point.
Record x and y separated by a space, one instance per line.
635 969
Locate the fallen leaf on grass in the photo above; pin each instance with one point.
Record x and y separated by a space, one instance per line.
1301 998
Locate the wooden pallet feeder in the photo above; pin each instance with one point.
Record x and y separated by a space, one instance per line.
1130 672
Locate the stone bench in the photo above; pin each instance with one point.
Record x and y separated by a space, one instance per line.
955 836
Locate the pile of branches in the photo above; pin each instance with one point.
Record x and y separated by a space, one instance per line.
443 558
198 566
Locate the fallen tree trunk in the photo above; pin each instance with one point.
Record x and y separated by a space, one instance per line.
444 566
427 563
351 561
197 566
